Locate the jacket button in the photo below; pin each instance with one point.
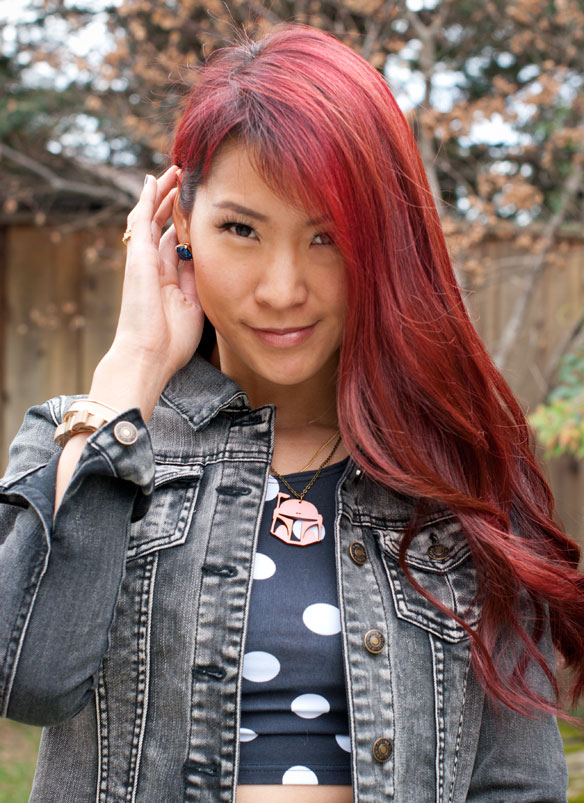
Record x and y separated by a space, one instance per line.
374 641
125 433
382 749
438 552
358 553
358 475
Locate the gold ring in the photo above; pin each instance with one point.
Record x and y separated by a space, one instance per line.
127 235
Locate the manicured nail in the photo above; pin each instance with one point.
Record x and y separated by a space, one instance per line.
147 179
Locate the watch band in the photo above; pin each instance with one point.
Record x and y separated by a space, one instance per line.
84 415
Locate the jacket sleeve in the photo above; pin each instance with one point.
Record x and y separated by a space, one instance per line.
60 578
520 758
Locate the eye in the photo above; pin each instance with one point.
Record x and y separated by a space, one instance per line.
238 228
328 240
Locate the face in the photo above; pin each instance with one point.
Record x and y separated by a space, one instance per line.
270 280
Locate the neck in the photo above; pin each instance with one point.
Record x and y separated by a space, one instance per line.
311 404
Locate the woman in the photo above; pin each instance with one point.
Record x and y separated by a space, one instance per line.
322 420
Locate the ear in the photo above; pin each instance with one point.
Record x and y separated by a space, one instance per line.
181 221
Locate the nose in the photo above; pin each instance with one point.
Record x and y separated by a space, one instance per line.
282 282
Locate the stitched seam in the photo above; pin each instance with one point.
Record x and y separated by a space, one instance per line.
391 761
143 673
197 607
237 722
103 743
452 594
179 530
459 732
438 675
443 629
345 639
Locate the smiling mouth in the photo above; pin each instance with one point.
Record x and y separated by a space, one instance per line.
291 336
285 331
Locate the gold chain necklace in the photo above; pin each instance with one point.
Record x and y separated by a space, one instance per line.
295 521
318 451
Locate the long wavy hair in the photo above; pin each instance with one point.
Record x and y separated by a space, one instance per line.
421 406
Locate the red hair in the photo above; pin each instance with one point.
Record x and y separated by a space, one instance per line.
422 409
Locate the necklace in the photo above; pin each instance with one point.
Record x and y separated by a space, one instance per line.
296 521
318 451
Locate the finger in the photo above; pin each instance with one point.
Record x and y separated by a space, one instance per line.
139 219
162 215
169 260
165 183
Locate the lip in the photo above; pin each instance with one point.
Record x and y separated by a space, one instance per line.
284 338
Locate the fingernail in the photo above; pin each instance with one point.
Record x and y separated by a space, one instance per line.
147 179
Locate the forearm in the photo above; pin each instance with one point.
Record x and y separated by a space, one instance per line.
59 579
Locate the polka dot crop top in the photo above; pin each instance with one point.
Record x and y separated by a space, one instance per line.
294 724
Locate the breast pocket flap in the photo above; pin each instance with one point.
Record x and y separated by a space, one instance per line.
173 504
439 560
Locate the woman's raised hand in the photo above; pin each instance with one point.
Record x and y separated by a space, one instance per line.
161 321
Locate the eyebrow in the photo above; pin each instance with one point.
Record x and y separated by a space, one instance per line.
243 210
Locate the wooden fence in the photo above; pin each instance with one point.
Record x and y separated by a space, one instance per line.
59 300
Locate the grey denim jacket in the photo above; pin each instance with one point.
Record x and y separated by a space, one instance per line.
123 621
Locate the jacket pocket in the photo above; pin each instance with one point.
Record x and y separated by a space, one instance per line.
439 560
168 519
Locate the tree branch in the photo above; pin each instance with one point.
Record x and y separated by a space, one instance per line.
65 185
428 34
374 29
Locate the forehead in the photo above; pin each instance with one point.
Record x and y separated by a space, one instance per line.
239 172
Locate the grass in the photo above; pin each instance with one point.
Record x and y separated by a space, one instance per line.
19 745
18 749
573 739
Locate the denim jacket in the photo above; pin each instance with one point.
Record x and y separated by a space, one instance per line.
123 620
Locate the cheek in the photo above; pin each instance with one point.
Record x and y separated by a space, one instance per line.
219 291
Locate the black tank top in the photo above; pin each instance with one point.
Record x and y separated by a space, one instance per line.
294 725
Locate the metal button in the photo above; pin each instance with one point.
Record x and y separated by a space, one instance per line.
374 641
358 475
358 553
125 433
382 749
438 551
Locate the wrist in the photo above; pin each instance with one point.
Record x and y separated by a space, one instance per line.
124 381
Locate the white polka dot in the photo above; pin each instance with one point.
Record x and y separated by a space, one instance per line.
247 735
310 531
344 742
322 618
299 774
310 706
273 489
263 566
260 666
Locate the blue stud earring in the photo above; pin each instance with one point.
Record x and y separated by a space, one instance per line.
184 251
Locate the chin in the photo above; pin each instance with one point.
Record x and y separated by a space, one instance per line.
280 378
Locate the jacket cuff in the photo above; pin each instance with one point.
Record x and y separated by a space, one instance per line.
121 448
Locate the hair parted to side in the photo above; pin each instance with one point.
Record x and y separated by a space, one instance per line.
422 408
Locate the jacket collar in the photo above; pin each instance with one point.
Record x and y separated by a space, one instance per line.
199 391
